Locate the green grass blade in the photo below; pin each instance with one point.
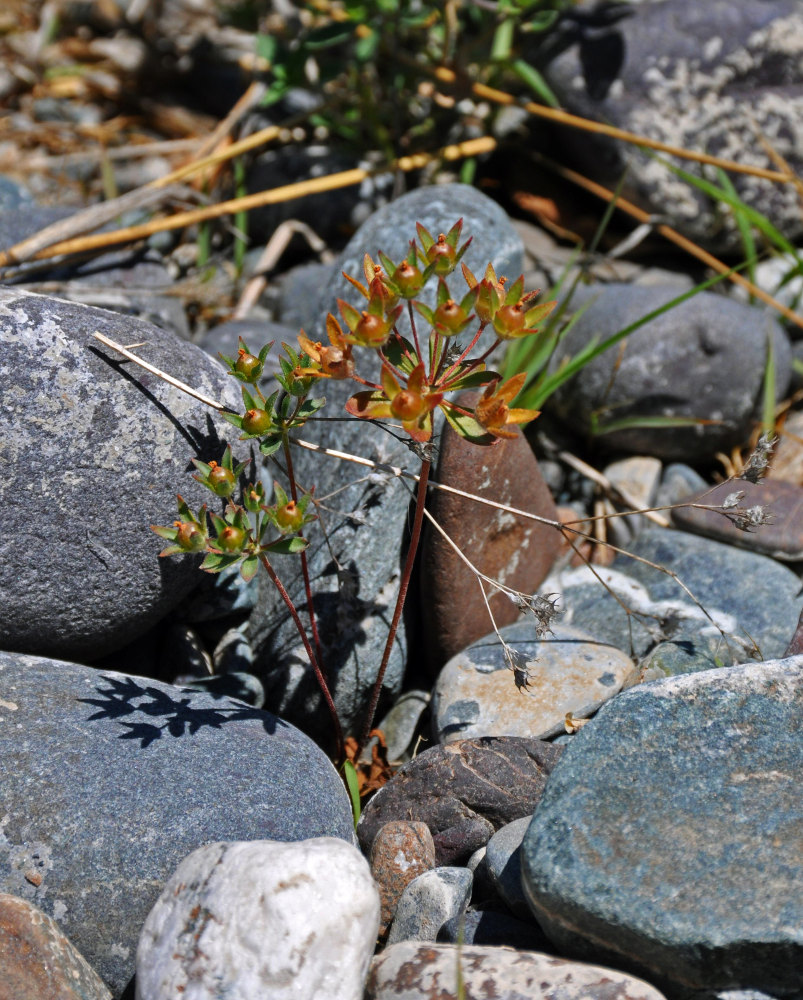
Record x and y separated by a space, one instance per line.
743 222
594 349
761 222
353 786
626 423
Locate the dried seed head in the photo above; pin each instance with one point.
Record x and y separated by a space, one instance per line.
756 465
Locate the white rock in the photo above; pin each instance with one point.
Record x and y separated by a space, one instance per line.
262 920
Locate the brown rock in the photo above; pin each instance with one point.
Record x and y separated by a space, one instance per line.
495 779
430 972
516 551
781 538
402 850
37 962
795 647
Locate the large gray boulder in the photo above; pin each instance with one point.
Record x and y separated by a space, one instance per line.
94 452
110 780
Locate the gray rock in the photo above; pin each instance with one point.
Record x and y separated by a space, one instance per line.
38 961
762 610
678 481
13 197
703 359
410 971
503 864
711 77
438 207
110 780
314 903
570 670
356 570
95 453
667 841
486 782
401 723
430 900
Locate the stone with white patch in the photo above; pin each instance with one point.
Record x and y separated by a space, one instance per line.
715 77
262 919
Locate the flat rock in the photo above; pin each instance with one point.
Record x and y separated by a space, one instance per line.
781 537
702 359
493 780
110 780
668 839
95 453
760 610
711 77
38 962
515 551
355 571
503 864
429 972
313 903
568 671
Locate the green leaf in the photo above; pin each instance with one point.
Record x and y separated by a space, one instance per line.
288 546
625 423
473 380
249 568
530 75
216 561
353 786
270 444
467 427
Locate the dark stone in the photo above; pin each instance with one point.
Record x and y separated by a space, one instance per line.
515 551
495 779
455 845
702 359
38 962
667 841
109 781
711 76
95 451
781 537
490 927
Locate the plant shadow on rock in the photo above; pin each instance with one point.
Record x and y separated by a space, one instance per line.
126 696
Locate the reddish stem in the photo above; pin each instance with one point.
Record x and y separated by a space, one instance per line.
277 583
407 572
304 566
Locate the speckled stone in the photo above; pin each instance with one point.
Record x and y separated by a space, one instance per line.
474 784
708 76
37 960
401 851
568 671
668 839
98 450
110 780
262 919
412 971
427 903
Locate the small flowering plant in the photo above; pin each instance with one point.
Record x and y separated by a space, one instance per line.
414 375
